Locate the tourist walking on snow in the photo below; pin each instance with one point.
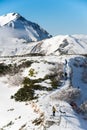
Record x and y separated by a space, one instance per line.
53 110
65 75
65 62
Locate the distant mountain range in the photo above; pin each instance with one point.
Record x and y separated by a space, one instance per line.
19 37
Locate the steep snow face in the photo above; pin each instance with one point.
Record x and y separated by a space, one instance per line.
19 27
63 44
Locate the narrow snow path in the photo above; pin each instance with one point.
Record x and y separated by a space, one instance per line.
65 117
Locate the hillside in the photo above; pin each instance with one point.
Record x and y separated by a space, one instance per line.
38 74
62 44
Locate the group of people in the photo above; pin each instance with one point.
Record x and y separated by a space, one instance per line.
65 75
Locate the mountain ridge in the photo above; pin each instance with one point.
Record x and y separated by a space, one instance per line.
58 45
62 44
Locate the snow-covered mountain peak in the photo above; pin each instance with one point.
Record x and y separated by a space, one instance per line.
21 28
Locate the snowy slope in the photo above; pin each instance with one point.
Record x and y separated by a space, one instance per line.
19 27
21 115
63 44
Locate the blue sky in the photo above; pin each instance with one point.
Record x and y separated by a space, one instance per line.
56 16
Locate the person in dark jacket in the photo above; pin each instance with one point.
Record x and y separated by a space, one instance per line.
65 75
65 62
54 110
